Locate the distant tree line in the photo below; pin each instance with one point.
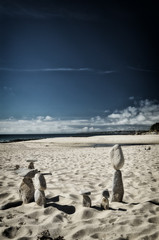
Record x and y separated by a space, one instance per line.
154 127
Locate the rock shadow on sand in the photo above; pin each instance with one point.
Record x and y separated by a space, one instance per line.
52 202
110 208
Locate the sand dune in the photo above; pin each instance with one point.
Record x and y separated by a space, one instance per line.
77 164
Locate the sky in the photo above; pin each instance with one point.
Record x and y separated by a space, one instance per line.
78 66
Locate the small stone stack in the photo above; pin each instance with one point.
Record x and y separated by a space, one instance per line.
26 189
40 187
105 200
86 198
31 163
117 159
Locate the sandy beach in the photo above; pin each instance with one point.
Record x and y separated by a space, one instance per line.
82 164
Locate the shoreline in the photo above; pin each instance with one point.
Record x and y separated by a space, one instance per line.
103 140
11 138
27 137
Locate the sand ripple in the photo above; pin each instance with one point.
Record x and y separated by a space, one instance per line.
78 165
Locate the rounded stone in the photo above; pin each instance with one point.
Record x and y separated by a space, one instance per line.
105 203
86 201
39 182
105 193
118 188
117 157
26 190
39 197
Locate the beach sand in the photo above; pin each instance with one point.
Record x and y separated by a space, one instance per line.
77 164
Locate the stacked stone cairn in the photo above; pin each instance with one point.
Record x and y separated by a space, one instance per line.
31 164
30 191
105 200
26 189
86 198
117 159
40 187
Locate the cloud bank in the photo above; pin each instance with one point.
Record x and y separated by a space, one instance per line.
61 69
138 117
111 69
48 10
145 113
141 69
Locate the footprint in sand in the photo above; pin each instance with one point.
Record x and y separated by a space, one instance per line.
4 195
10 184
137 222
153 189
142 184
1 184
79 234
112 220
87 214
154 220
10 232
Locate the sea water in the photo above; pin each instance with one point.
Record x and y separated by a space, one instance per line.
4 138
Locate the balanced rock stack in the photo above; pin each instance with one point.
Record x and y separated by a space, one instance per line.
86 198
105 200
117 159
26 189
31 163
40 187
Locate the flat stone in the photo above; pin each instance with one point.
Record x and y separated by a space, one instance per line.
117 157
27 173
19 170
44 174
29 160
85 192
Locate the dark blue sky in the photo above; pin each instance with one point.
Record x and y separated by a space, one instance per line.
78 59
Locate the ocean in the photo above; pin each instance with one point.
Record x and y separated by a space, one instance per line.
6 138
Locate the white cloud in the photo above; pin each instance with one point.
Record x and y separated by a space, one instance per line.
60 69
114 116
145 113
131 98
42 118
107 111
107 72
43 124
48 118
141 69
